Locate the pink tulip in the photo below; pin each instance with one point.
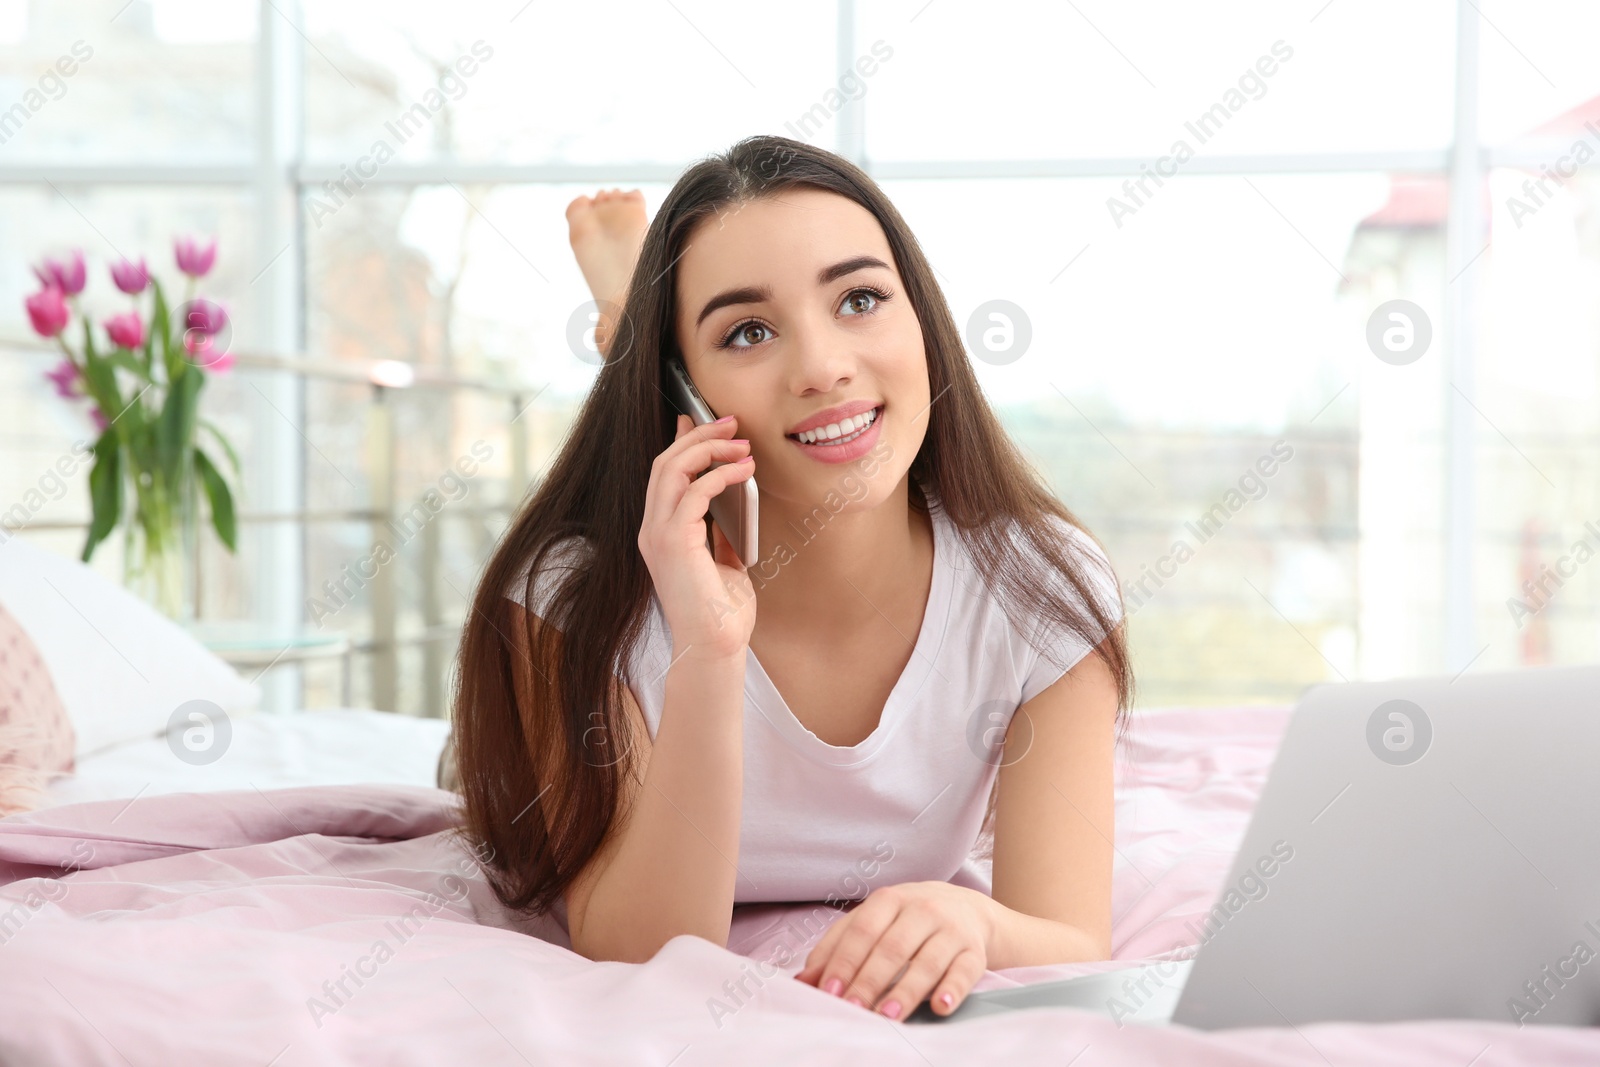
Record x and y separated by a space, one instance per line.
47 310
68 379
192 259
130 277
205 317
203 354
100 420
126 329
69 275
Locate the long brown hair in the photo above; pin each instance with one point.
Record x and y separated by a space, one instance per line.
552 746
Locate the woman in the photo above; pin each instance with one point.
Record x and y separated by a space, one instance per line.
927 655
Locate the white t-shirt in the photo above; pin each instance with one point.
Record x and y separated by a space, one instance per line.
824 822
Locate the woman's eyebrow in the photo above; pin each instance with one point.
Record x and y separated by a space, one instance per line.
848 266
755 294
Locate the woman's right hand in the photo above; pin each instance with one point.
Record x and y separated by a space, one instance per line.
709 601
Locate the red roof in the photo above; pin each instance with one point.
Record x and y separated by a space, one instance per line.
1415 201
1422 201
1568 123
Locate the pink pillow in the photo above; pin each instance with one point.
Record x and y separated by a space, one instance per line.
36 737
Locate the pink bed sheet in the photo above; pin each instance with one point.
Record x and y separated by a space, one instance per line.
344 924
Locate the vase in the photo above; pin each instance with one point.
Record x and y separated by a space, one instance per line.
159 548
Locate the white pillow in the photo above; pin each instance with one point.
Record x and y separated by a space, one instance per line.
121 667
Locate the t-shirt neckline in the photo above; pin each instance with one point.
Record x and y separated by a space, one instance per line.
769 703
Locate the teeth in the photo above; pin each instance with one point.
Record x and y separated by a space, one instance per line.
836 430
832 442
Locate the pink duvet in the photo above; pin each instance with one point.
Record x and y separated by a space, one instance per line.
342 924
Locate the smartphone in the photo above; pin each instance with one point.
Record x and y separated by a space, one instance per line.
734 509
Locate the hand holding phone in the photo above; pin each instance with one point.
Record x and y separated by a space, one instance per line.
708 599
734 509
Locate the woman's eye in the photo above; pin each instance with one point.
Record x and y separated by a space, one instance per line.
742 330
862 294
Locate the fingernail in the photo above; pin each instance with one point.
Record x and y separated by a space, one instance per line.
892 1009
946 999
834 987
739 440
855 1000
725 418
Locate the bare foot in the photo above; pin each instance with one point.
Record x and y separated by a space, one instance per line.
606 231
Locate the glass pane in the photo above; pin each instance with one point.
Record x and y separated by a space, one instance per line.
620 81
476 279
112 80
1537 429
44 462
449 550
1226 320
429 276
479 280
329 548
1097 78
1538 80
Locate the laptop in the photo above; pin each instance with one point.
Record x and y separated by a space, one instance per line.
1423 848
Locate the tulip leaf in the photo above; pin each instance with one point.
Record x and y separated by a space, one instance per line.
105 491
175 429
88 341
158 328
221 499
227 448
127 361
161 327
100 378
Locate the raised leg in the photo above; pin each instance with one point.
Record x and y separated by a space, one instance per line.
606 231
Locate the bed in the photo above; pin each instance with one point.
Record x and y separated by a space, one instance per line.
305 900
312 906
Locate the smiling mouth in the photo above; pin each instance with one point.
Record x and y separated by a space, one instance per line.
808 437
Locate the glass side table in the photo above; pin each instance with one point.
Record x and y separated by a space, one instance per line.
248 645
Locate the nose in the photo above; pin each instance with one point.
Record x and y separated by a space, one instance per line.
822 359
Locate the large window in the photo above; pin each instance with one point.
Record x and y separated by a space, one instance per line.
1202 230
